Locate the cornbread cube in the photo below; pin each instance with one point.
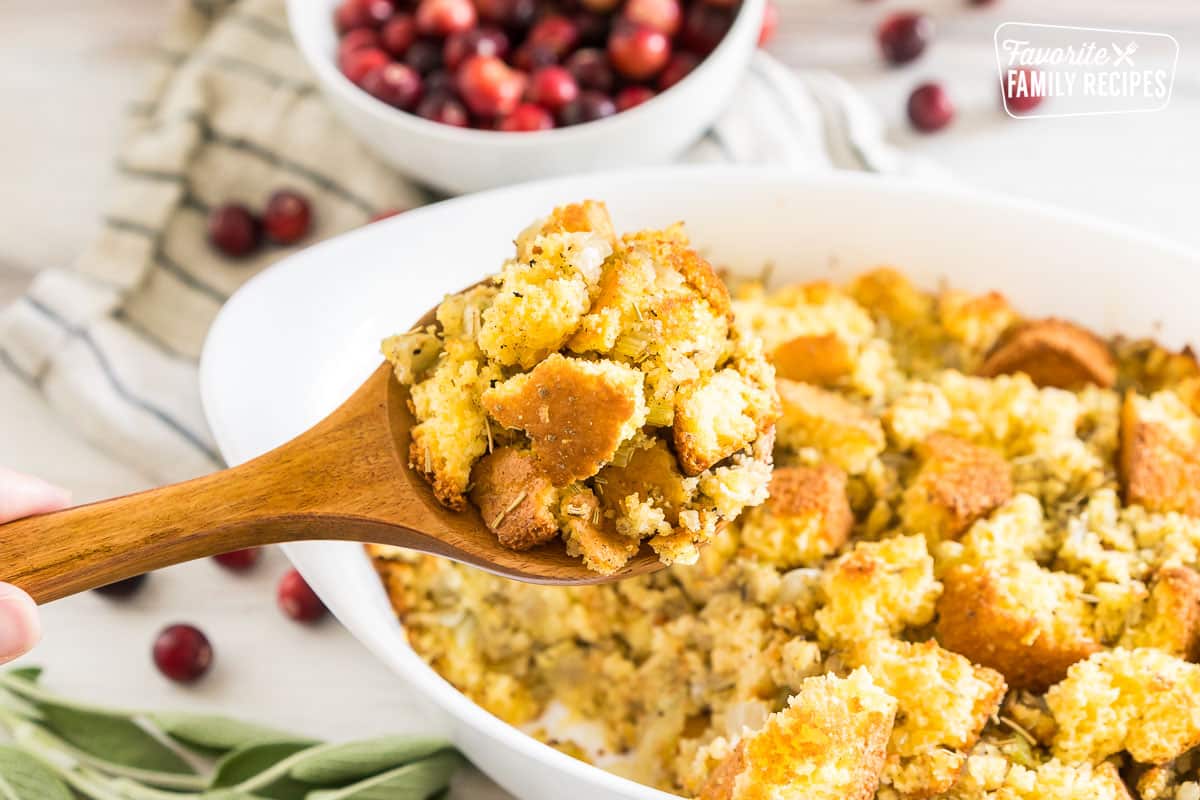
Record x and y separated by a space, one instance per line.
958 483
977 321
821 359
878 588
943 703
576 413
806 518
887 293
1171 619
1160 454
1027 623
827 422
546 290
516 500
1053 352
592 536
716 416
828 744
651 473
1143 701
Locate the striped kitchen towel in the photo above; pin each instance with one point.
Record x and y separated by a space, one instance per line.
232 112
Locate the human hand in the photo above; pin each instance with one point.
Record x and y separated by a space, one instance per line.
20 496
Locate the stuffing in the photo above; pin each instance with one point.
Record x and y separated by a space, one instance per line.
1144 701
990 776
827 744
826 422
977 321
958 483
1160 453
717 416
822 359
1053 353
1171 619
806 518
516 499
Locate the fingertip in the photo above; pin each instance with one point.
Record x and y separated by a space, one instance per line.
22 495
20 628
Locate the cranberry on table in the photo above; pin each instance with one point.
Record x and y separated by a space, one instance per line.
444 17
398 34
288 215
769 24
591 69
122 589
424 55
298 600
677 69
239 560
396 84
552 88
930 108
489 87
632 96
664 16
1017 98
704 26
182 653
904 35
588 107
444 108
637 51
357 63
475 42
234 230
527 117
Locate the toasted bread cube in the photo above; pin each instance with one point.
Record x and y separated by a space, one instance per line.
977 321
592 536
1160 454
944 701
821 359
886 292
716 416
1171 619
958 483
516 500
828 744
1053 352
878 588
1025 622
651 473
820 419
576 413
590 217
806 518
1143 701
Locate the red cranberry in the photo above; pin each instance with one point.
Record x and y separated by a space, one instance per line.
398 34
358 39
439 81
930 108
362 14
233 230
638 52
904 35
556 32
182 653
588 107
730 4
357 63
593 28
663 16
591 70
444 17
489 87
552 88
527 117
475 42
122 589
1017 100
514 14
769 24
386 214
424 55
396 84
601 6
531 56
298 600
704 26
677 69
632 96
443 108
239 560
288 215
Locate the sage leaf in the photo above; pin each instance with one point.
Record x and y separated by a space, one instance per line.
254 764
338 764
23 777
216 734
416 781
27 674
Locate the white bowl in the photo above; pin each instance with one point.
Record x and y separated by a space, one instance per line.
309 329
458 160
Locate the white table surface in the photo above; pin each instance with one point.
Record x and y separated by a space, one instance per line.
76 61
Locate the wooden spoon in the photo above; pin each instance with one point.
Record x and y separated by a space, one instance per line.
346 478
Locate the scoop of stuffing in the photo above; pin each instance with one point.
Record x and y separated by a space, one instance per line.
537 388
828 744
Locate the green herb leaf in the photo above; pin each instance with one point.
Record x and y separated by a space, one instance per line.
27 674
256 761
416 781
338 764
216 734
23 777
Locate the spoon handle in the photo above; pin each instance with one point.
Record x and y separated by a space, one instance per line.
325 484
